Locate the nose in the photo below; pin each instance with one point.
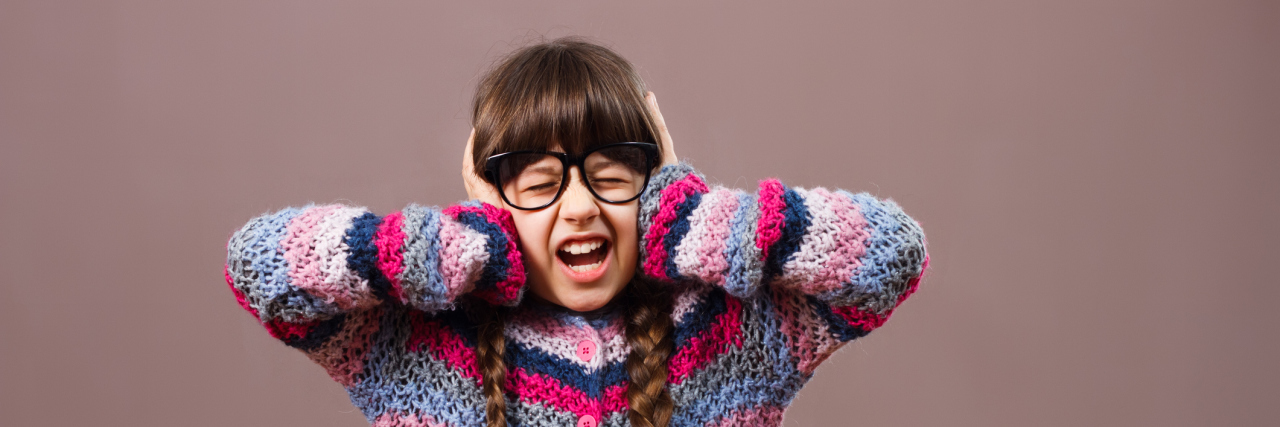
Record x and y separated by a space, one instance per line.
577 206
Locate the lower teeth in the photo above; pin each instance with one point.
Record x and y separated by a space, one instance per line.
582 268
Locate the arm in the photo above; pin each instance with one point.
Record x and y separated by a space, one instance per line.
829 258
303 271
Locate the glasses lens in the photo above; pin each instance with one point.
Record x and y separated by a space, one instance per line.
530 180
617 174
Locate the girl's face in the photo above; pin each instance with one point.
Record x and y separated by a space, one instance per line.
578 223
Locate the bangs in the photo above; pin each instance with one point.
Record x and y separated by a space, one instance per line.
576 99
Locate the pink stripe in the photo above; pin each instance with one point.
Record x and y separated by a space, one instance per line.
536 388
281 330
670 200
717 237
304 265
554 338
805 329
760 416
341 285
455 257
772 206
869 321
240 298
615 399
850 236
344 355
686 299
914 283
509 287
701 253
726 330
398 419
443 344
864 320
390 242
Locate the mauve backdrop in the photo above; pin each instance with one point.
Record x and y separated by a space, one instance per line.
1097 179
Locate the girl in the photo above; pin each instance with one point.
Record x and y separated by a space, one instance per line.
592 280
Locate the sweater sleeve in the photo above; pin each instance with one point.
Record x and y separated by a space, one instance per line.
305 273
835 264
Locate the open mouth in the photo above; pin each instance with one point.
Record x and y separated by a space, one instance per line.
583 256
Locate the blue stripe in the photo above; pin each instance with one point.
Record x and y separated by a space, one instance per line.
435 292
276 289
795 223
364 255
776 344
700 317
735 393
495 270
678 230
839 326
737 279
273 270
882 252
318 335
535 360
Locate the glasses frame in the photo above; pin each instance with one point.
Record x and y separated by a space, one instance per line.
567 161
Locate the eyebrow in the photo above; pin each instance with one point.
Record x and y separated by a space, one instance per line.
549 170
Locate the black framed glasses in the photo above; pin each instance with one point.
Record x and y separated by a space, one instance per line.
534 179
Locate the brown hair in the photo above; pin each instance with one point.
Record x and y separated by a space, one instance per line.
580 95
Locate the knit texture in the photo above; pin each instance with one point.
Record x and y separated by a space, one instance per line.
766 287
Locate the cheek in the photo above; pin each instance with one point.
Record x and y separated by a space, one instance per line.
628 239
534 235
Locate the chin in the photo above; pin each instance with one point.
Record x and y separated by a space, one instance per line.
587 300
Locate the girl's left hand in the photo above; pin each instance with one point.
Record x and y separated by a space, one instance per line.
664 138
477 187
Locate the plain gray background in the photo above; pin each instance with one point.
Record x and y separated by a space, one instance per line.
1097 180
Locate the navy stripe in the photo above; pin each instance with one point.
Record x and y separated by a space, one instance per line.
364 255
840 326
678 230
700 317
318 335
535 360
795 223
456 321
495 271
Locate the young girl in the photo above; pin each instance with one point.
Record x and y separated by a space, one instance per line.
592 280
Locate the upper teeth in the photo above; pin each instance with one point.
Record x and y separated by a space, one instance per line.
582 247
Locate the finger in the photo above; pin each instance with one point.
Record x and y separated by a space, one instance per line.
467 164
664 136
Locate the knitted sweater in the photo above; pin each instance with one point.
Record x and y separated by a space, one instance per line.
766 287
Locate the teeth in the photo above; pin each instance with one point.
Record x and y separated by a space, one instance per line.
582 268
582 248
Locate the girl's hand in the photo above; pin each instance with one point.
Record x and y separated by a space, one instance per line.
664 137
477 187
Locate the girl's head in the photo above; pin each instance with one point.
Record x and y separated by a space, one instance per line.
567 96
575 97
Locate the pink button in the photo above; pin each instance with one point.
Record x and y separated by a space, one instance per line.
587 421
586 349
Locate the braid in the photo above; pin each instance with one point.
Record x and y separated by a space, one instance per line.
649 334
491 344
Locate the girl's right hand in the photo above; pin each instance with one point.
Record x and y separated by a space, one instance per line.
477 187
664 137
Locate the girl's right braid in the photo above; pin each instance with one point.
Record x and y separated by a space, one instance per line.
490 346
649 334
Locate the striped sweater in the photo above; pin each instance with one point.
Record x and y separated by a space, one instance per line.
766 287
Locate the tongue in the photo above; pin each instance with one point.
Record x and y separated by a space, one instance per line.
581 259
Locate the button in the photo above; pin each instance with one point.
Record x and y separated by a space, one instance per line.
586 349
587 421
